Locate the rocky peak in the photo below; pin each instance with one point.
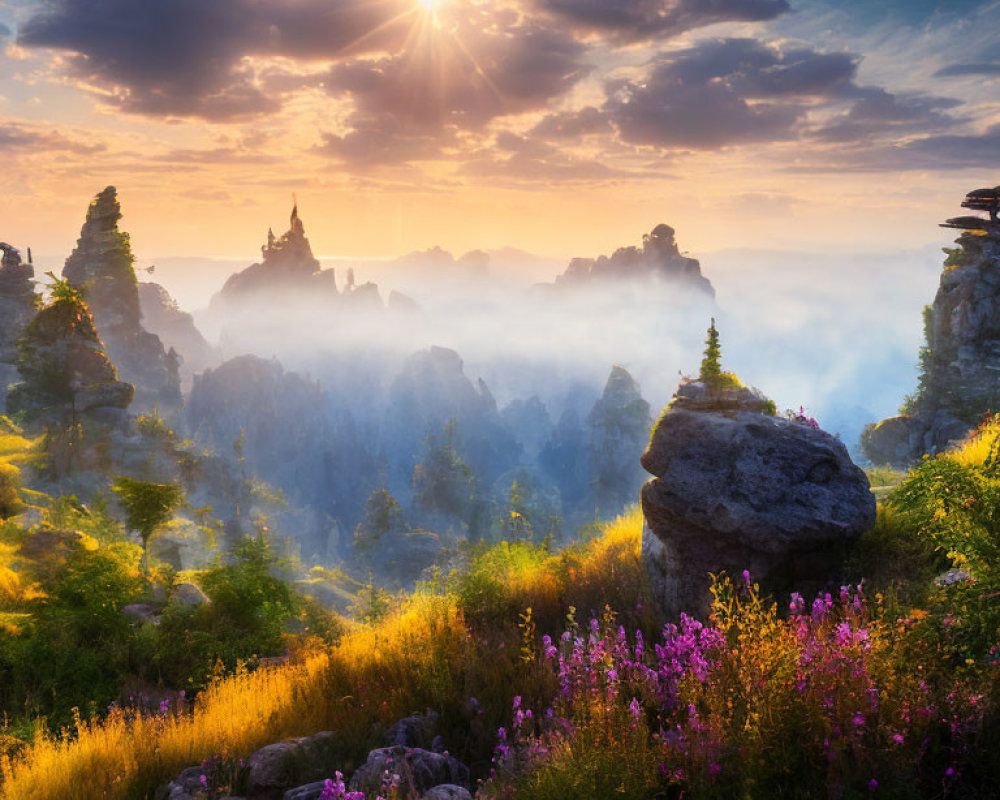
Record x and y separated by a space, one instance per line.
658 258
288 267
17 306
960 361
16 276
63 365
292 252
101 267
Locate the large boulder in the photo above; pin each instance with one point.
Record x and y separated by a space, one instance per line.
894 441
741 490
274 769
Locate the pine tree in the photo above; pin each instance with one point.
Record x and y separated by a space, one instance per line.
711 366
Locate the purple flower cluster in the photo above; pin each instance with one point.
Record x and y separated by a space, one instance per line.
712 696
334 789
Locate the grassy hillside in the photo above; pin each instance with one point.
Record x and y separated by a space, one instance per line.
554 678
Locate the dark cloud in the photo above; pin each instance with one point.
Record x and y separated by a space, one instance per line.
881 113
5 32
519 158
572 125
953 151
467 79
640 20
959 70
377 140
728 91
183 57
407 106
24 139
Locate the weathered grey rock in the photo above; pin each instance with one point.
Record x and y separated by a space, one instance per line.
417 768
101 265
273 770
894 441
697 396
113 394
416 730
447 791
187 785
142 613
288 269
63 366
742 491
187 594
659 258
311 791
619 426
162 316
17 306
960 361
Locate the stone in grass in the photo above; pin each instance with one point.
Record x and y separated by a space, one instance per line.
419 770
741 490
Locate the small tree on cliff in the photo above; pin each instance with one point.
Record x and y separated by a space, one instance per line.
711 364
147 506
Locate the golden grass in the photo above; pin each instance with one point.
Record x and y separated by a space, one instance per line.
375 672
421 655
974 451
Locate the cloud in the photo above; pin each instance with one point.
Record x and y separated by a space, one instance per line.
882 113
953 151
186 57
573 125
520 158
643 20
18 137
380 139
467 79
724 92
959 70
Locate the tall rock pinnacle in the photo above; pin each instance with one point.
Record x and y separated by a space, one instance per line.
101 266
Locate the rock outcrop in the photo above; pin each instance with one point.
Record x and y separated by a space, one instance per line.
960 362
176 328
619 426
18 304
63 367
737 490
101 268
287 268
658 258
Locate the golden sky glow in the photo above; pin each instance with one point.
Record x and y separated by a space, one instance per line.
555 126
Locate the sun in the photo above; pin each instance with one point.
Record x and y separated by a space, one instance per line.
427 5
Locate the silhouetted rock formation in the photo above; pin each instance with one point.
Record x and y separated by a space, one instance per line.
739 490
101 267
18 304
659 258
960 363
175 327
63 367
619 428
288 268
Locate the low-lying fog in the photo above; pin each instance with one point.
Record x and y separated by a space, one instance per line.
836 333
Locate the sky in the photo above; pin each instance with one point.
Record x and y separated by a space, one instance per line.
562 127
